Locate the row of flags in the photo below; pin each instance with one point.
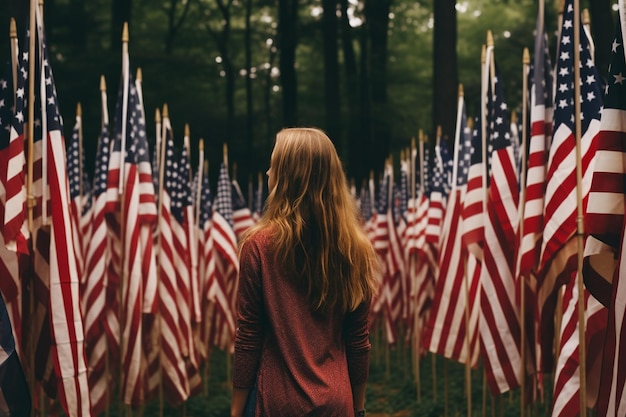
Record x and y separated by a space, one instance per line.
480 246
128 280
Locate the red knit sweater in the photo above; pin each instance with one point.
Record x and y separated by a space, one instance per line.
303 363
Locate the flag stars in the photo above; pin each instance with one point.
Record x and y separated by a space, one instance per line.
565 40
591 79
591 96
563 72
615 45
619 78
564 56
562 104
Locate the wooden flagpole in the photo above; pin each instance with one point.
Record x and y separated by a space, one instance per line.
165 124
522 277
468 341
14 52
468 362
412 265
79 120
30 199
580 232
121 196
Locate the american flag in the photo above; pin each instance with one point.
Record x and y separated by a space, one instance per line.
473 204
242 216
604 222
130 200
559 246
566 394
389 298
206 261
94 289
499 319
14 392
68 349
541 111
80 196
224 285
184 214
10 287
15 231
174 377
437 197
455 293
259 198
422 257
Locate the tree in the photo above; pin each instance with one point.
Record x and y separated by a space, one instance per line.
377 23
287 42
331 69
445 67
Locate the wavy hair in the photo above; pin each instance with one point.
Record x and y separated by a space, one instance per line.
315 224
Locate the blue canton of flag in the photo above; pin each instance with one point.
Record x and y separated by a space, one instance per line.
464 152
499 126
223 201
6 107
448 166
206 201
101 169
589 90
183 191
74 161
366 203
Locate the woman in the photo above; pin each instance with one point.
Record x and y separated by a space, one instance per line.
305 285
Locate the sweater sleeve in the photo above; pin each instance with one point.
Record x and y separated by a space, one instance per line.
249 334
358 345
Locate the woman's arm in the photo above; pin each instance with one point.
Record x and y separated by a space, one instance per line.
249 333
238 403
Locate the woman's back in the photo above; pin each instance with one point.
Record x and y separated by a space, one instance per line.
303 368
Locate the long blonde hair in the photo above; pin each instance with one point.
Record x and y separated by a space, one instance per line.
314 221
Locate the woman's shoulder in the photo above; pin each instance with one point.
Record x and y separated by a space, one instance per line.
258 237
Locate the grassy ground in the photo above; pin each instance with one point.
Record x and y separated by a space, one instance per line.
392 390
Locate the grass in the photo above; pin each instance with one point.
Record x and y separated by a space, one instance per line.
392 390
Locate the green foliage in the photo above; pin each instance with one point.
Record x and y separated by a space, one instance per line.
183 69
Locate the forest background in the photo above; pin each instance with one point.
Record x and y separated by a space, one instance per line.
371 73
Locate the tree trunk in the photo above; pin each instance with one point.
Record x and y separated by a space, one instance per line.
377 16
173 24
445 88
355 166
248 58
602 32
287 42
331 70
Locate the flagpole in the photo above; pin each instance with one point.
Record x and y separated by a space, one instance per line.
14 52
455 168
484 59
104 122
161 154
31 202
79 120
412 260
200 179
522 277
580 233
125 82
